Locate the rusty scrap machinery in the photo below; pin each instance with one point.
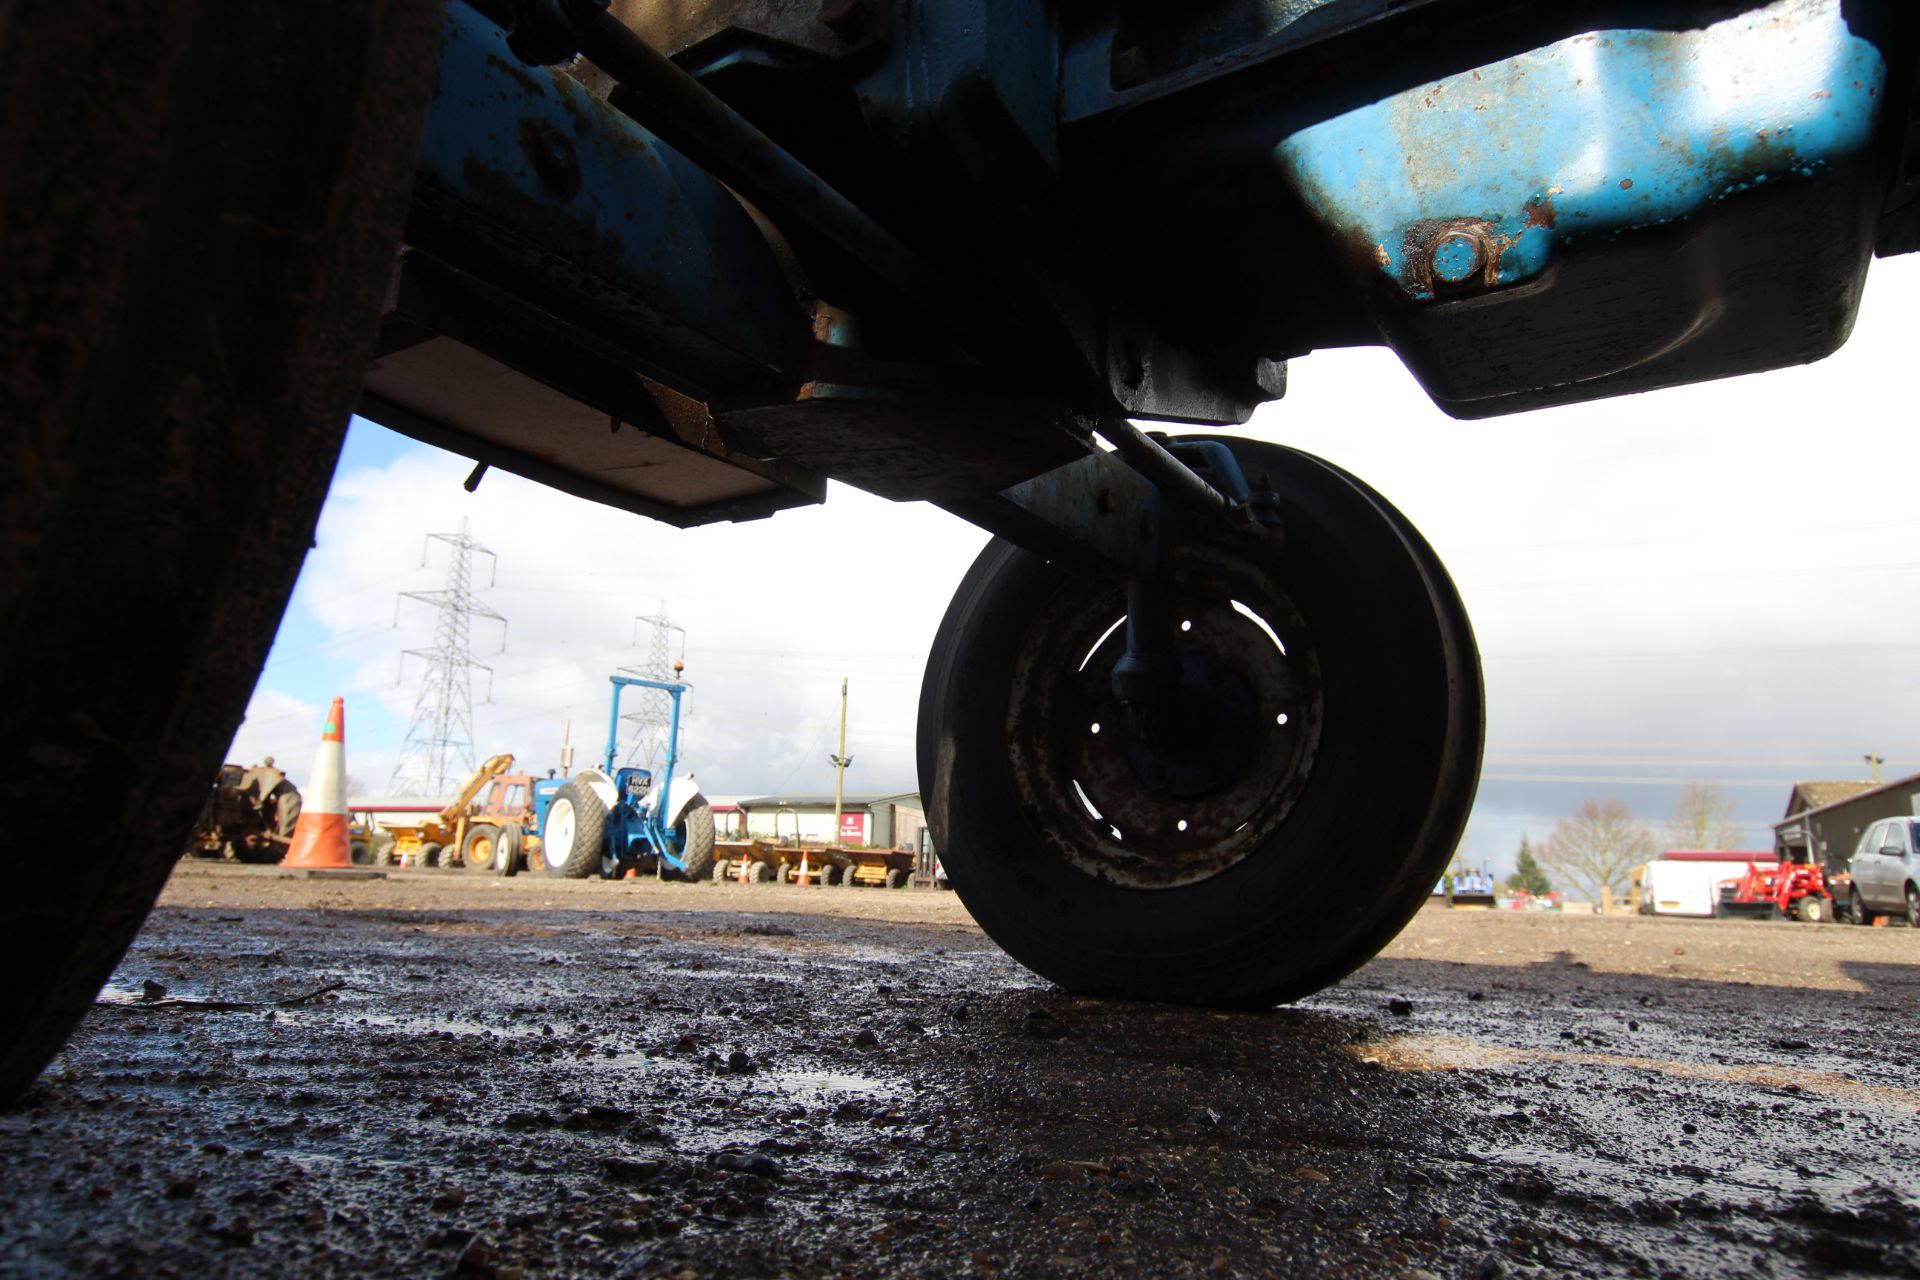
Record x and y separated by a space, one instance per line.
694 259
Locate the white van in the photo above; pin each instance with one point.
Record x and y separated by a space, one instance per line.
1690 888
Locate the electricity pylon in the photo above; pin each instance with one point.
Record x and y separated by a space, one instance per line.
652 714
438 753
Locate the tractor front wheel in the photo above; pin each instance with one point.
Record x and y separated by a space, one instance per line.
576 831
479 849
1316 737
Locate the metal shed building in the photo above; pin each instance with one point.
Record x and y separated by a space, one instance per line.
1824 819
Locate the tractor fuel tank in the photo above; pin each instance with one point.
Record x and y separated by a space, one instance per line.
1615 211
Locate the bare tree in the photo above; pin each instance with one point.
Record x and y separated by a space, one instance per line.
1598 847
1703 819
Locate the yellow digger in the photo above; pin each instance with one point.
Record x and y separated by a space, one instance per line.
452 832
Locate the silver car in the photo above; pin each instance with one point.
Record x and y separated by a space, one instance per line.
1886 871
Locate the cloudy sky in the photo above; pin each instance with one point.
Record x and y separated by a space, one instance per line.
1716 583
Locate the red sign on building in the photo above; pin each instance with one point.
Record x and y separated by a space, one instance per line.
853 828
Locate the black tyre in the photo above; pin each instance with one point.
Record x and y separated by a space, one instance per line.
506 851
1913 907
896 878
431 854
1858 909
198 209
1813 909
576 832
479 846
361 852
850 876
286 812
693 838
1323 746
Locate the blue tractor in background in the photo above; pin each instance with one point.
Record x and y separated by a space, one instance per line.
605 821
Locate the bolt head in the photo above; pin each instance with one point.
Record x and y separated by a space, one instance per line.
1457 257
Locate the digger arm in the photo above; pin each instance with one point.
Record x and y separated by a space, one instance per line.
457 807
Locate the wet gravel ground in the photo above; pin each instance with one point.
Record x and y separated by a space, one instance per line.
438 1075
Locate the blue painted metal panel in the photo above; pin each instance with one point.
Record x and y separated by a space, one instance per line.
536 154
1475 182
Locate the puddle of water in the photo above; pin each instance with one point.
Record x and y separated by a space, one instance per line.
1770 1177
815 1087
424 1022
808 1087
730 974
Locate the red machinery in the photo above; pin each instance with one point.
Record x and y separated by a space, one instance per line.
1797 890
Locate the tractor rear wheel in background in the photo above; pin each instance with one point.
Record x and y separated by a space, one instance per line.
693 837
576 831
1322 744
199 205
478 848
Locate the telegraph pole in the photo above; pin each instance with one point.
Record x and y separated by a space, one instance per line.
1875 759
840 763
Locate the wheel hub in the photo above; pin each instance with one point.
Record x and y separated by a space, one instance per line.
1185 783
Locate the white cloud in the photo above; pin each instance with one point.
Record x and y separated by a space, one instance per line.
276 724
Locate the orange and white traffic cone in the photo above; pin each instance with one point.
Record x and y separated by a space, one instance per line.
320 836
802 879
